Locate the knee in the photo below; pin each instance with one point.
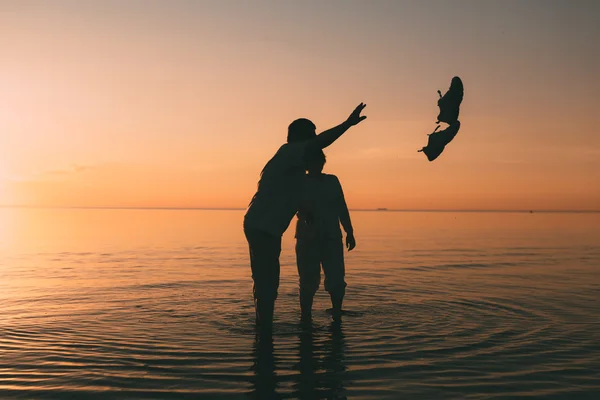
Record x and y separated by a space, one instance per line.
270 295
309 286
266 291
335 286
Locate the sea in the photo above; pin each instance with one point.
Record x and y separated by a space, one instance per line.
157 304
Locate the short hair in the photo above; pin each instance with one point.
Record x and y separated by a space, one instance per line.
315 156
300 130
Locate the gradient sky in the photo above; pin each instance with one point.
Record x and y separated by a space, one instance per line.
181 103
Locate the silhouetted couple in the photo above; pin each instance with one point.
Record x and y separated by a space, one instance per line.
284 190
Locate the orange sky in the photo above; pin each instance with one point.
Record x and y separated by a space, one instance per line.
181 103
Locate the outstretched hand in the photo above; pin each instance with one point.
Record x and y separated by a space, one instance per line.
350 241
355 117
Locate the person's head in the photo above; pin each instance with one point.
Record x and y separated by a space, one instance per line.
300 130
315 161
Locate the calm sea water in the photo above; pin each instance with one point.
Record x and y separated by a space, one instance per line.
157 304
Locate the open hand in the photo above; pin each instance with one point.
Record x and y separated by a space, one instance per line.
355 117
350 242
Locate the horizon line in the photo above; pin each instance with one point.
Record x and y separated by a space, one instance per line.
379 209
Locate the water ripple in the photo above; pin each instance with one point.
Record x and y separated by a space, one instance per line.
459 319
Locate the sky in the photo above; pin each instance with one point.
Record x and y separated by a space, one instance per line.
181 103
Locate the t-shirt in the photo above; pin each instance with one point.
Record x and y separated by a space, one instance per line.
324 199
279 189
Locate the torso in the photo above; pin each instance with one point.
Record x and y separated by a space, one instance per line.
278 194
323 199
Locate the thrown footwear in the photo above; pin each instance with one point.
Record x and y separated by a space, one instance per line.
438 140
449 103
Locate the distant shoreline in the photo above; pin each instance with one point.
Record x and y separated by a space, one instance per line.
378 210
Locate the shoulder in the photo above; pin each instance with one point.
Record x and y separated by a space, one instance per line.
288 155
331 178
293 152
297 147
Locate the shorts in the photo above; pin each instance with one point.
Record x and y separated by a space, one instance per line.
311 254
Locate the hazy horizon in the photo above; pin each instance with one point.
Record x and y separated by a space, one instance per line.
377 209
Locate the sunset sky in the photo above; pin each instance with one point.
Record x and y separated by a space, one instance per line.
181 103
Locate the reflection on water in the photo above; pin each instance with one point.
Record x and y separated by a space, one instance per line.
157 304
264 382
308 366
320 370
334 361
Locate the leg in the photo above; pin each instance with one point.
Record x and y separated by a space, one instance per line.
309 272
334 270
264 261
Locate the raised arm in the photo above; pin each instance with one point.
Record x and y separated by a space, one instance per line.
329 136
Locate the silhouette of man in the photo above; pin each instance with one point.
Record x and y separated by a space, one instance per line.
319 238
275 203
